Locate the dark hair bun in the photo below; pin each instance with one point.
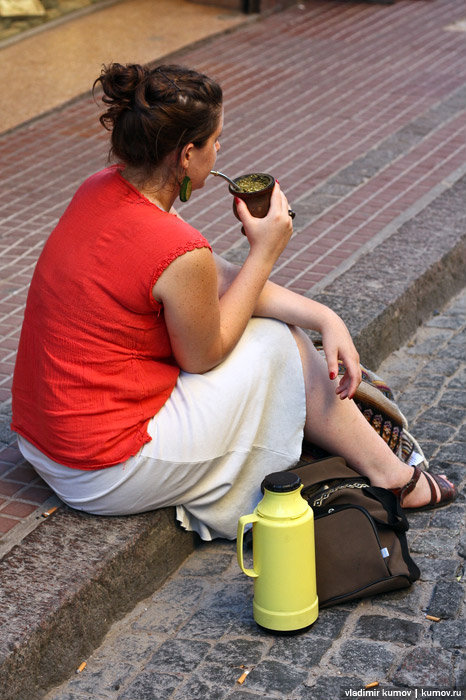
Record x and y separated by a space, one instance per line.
152 112
120 84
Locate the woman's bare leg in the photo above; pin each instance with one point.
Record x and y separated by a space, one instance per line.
339 427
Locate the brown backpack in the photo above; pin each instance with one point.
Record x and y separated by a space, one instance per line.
360 534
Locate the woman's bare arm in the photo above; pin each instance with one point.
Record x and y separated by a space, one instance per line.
204 326
292 308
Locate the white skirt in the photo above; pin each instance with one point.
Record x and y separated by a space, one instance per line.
212 443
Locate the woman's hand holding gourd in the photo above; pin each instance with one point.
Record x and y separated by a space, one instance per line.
268 236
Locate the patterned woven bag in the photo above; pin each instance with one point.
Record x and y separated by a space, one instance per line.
375 400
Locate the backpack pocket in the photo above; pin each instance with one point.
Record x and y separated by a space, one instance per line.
351 560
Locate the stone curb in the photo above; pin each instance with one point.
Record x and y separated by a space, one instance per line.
68 581
72 577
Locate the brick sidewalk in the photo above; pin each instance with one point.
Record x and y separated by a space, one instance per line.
358 110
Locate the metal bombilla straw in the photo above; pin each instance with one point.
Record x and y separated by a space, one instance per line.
225 177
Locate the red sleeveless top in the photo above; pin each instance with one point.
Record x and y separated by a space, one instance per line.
94 362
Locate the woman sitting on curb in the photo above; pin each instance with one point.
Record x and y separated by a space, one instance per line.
151 372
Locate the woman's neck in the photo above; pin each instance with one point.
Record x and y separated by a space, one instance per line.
162 195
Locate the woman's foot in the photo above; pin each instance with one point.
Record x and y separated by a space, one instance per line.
426 491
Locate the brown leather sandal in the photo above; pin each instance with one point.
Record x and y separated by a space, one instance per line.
447 493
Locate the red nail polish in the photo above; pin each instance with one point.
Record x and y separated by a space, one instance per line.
236 200
332 375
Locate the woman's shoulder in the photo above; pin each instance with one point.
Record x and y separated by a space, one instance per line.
170 233
118 206
96 184
109 176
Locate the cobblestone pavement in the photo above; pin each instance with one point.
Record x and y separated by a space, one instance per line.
195 636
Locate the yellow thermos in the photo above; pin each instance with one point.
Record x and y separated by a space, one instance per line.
284 573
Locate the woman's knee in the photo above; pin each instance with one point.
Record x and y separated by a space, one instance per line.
320 390
313 362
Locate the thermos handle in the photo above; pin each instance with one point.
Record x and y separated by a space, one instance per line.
242 522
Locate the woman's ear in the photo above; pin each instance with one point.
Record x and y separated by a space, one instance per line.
186 154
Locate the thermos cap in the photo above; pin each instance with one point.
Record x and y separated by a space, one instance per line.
281 482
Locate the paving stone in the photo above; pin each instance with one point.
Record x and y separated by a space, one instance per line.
121 648
418 520
151 686
66 695
451 321
109 679
405 602
362 658
382 629
451 517
441 414
207 624
207 563
459 380
437 337
460 672
275 677
236 652
431 380
419 396
461 434
462 545
231 599
329 688
209 681
304 650
453 102
453 452
447 599
178 654
449 634
360 170
400 369
454 397
330 622
245 626
459 339
75 696
423 666
181 590
163 616
434 542
455 470
410 408
437 433
244 695
445 366
433 569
